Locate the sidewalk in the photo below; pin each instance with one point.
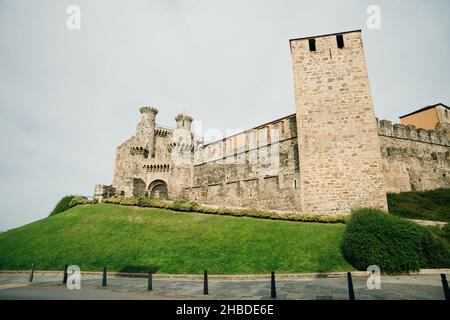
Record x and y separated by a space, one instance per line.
417 287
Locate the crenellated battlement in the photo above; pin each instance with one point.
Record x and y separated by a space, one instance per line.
152 110
410 132
183 117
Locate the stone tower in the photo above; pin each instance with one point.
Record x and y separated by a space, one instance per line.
145 130
339 150
184 122
182 141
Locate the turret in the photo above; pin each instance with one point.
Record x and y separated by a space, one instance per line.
182 140
145 130
184 122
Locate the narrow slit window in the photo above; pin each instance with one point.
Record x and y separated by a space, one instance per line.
312 44
340 41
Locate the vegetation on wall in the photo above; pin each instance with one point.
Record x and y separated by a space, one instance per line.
185 206
394 244
80 200
427 205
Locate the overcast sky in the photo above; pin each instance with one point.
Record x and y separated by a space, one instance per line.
68 98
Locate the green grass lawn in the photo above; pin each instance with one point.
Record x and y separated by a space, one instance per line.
132 239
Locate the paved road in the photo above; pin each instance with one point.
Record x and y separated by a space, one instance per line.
417 287
62 293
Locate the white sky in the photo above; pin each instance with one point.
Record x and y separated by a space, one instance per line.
68 98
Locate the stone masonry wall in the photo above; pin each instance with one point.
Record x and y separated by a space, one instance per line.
242 178
136 169
414 159
331 156
340 162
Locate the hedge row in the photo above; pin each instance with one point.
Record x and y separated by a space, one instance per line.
80 200
185 206
396 245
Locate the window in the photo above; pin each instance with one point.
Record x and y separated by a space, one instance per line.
340 41
312 44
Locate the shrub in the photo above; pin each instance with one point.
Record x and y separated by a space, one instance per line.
446 233
79 200
62 205
152 203
394 244
186 206
122 201
181 205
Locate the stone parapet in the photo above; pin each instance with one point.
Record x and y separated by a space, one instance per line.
410 132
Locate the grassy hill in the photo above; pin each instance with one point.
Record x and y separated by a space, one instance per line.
133 239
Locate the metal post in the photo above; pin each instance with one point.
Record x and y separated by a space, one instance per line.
351 293
205 282
104 277
445 286
273 288
65 274
150 281
30 278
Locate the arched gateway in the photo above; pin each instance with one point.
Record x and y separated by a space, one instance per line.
158 190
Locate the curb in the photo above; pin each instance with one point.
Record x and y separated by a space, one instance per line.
185 277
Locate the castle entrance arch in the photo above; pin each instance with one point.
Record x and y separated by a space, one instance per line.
158 190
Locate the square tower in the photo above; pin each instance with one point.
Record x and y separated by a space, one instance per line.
339 151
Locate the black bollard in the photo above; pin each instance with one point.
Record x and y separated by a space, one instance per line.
30 278
351 293
273 288
445 286
150 282
104 277
65 274
205 282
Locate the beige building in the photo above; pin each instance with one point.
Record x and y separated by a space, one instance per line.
329 157
429 117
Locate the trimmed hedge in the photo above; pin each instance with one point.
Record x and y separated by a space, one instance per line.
80 200
62 205
185 206
396 245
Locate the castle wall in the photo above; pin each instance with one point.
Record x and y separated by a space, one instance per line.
255 169
339 151
134 163
413 159
329 157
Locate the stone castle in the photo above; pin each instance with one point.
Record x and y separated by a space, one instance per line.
329 157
